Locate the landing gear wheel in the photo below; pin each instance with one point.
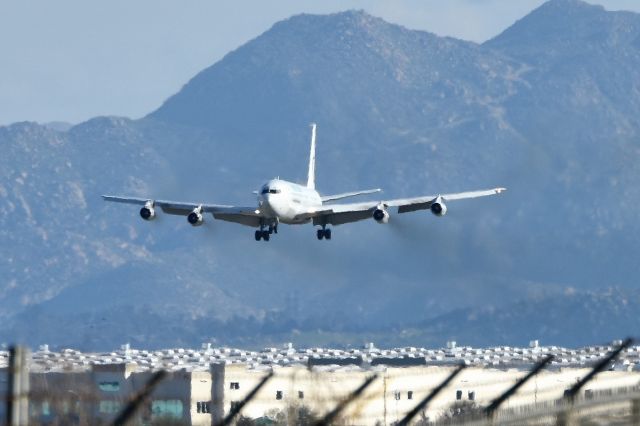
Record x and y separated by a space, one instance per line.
265 235
258 235
320 234
327 234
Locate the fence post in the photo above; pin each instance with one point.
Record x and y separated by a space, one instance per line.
18 395
635 411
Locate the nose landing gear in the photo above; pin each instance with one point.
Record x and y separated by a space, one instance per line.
265 234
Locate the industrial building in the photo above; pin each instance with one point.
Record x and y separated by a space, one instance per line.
202 386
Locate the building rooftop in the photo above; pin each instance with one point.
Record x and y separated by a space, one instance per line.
501 357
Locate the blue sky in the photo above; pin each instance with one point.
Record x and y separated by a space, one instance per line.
70 60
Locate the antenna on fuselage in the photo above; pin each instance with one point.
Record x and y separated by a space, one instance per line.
311 180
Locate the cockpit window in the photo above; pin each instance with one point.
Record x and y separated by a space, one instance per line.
267 190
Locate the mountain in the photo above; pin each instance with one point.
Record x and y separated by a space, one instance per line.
548 108
571 318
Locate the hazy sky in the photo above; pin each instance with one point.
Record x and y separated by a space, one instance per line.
70 60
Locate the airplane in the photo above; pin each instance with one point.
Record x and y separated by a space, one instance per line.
280 201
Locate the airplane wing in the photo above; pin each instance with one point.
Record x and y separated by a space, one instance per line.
337 214
248 216
406 205
348 194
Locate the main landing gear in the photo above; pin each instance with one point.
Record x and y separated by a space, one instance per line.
324 233
265 234
262 235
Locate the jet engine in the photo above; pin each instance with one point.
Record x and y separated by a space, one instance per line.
381 215
195 217
438 207
148 212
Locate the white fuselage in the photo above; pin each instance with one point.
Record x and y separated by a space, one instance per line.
285 201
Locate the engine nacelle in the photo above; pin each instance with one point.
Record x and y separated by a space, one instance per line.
381 215
438 207
195 217
148 212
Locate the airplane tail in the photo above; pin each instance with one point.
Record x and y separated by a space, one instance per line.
311 180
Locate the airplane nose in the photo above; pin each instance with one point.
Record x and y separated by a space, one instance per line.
270 198
265 203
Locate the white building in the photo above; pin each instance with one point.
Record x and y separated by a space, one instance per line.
397 390
201 387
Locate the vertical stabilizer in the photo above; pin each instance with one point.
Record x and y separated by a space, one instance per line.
311 180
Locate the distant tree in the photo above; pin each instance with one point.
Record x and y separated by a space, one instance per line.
305 416
423 420
168 422
245 421
297 415
461 409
